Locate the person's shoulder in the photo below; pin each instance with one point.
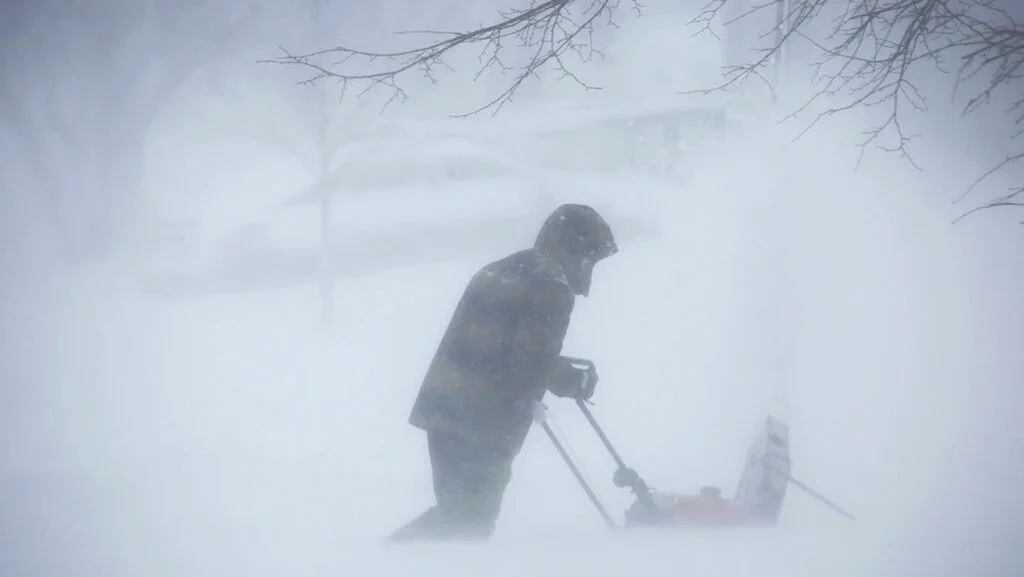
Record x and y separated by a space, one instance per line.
529 266
525 271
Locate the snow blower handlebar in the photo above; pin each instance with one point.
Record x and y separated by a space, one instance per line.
541 417
624 476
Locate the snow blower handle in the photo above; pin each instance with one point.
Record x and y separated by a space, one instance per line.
540 415
624 476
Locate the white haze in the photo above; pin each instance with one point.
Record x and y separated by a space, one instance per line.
228 435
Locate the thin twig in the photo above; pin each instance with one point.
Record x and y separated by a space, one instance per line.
546 29
872 51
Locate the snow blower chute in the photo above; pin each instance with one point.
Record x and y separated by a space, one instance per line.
759 495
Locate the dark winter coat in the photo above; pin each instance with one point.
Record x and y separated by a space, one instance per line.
490 367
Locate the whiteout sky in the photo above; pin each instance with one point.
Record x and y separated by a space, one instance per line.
229 435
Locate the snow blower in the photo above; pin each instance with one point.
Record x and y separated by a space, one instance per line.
758 499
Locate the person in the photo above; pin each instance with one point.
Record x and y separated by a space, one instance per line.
498 357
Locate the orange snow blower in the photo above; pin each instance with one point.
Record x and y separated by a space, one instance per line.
758 499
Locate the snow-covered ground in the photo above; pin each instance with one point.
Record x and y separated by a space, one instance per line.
231 436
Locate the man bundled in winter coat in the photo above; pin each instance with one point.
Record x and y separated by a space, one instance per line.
497 358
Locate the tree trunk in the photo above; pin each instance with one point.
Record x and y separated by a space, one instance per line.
319 26
32 155
326 246
88 168
779 58
325 160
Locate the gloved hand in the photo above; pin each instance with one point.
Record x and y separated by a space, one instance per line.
568 379
626 478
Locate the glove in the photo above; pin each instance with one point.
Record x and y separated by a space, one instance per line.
626 478
568 379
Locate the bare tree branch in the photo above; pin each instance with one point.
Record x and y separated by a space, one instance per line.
870 56
872 49
1013 198
546 29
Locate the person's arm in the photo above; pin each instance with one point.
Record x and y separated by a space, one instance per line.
476 335
540 323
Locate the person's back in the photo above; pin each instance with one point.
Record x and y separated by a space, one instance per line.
498 356
488 370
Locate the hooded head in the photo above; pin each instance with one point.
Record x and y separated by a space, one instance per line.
577 237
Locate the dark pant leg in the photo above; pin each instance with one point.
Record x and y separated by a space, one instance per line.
469 484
